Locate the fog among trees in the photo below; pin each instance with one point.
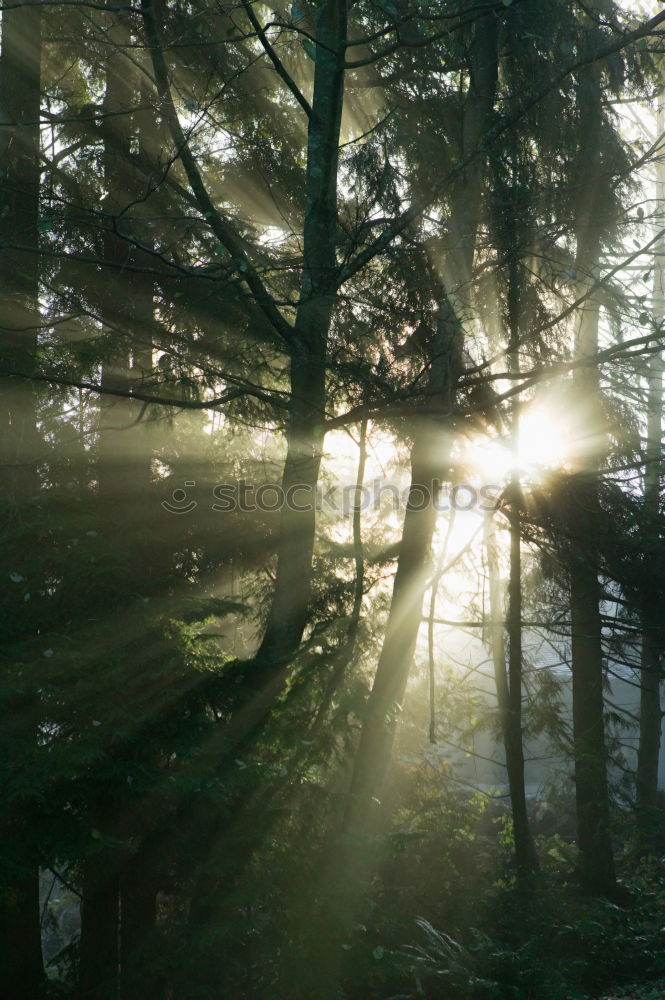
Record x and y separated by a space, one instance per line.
331 492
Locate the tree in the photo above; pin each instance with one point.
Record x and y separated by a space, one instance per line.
260 230
651 716
20 77
586 636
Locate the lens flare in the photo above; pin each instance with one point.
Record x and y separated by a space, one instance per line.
542 444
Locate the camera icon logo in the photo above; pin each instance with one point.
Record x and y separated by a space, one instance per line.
179 503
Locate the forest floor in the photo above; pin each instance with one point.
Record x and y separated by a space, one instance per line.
645 991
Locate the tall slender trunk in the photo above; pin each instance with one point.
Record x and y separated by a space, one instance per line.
139 878
509 684
20 81
217 899
345 867
100 914
21 971
288 614
264 677
430 460
497 622
98 949
525 852
590 751
648 815
141 438
343 656
591 780
430 454
138 914
651 716
114 469
431 622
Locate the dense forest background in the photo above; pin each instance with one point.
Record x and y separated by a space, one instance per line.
333 543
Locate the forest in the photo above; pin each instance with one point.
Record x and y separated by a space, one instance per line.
331 499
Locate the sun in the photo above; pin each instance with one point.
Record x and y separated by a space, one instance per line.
542 445
542 441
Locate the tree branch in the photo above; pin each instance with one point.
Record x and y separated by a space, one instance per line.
276 61
419 206
184 404
220 227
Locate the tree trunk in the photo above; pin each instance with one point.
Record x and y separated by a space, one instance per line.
138 913
116 305
288 614
651 717
591 785
344 654
22 973
264 677
21 964
430 459
100 927
525 852
20 79
591 781
431 448
345 868
98 949
509 685
20 76
590 752
649 816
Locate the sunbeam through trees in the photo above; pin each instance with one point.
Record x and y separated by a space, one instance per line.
333 538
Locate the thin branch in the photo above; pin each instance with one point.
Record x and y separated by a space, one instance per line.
276 61
224 232
185 404
417 208
529 379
